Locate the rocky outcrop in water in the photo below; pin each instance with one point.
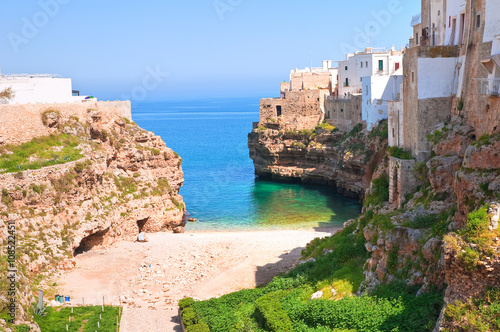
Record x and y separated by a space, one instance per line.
344 160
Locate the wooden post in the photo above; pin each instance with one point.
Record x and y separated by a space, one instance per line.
103 303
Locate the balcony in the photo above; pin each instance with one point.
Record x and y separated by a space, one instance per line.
490 86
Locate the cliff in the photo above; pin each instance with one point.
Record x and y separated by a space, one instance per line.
83 182
324 155
443 234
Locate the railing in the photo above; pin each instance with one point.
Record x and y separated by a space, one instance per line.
14 76
490 86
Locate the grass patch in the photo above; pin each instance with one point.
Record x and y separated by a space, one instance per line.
40 152
326 126
56 321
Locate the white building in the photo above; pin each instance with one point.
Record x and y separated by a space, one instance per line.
39 89
377 92
491 85
371 62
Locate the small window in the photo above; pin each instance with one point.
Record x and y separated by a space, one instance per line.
346 82
318 99
346 68
439 12
380 65
366 64
342 110
416 38
278 110
366 89
413 77
361 64
393 133
478 21
396 66
361 79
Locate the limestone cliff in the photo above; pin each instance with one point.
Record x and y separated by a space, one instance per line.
324 155
97 178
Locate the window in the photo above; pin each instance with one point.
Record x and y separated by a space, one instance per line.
393 133
439 12
413 77
278 110
361 79
478 20
416 38
346 82
361 64
346 68
366 88
380 65
396 66
342 110
366 64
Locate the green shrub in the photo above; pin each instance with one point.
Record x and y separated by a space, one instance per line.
469 258
200 327
275 318
326 126
380 191
399 153
392 260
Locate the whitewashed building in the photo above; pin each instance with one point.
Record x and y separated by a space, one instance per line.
39 89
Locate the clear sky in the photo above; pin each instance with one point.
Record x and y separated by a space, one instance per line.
116 49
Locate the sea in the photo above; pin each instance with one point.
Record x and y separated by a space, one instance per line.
220 188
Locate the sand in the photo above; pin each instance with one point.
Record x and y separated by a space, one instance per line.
148 279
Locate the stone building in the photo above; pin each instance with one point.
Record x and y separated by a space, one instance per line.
344 113
302 100
452 68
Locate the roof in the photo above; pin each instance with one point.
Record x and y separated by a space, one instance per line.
416 20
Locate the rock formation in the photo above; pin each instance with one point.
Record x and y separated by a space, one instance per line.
326 156
126 181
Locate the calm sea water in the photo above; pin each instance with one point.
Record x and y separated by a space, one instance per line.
220 188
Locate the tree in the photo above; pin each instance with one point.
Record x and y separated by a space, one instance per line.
6 95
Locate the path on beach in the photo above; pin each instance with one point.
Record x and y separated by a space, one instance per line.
150 278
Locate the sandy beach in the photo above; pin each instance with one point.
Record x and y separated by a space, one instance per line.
148 279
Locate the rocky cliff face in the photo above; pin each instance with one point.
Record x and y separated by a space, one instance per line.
344 160
125 180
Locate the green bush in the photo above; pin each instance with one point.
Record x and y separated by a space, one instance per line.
469 258
380 191
200 327
270 309
326 126
399 153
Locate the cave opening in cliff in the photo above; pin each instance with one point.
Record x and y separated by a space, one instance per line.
141 224
91 241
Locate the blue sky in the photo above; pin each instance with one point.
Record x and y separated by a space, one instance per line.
115 49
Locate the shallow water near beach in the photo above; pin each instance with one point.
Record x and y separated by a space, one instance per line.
220 188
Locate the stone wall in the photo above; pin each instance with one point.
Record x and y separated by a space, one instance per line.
343 113
395 117
22 123
298 110
311 81
401 180
422 115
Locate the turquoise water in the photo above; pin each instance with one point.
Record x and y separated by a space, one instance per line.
220 189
